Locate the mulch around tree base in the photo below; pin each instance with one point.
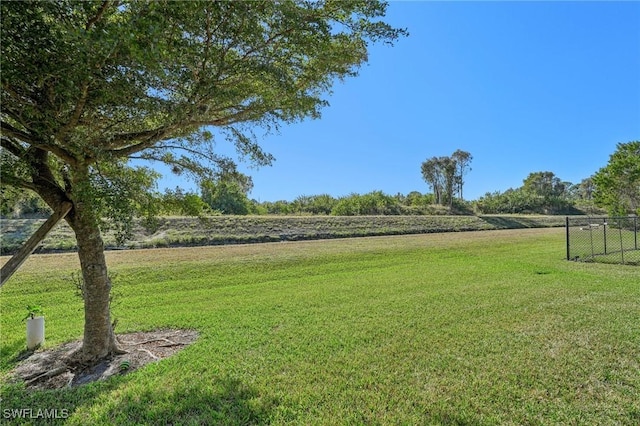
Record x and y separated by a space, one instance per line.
51 369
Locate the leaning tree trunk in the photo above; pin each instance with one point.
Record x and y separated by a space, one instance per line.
99 338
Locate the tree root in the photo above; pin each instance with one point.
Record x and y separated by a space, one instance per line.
149 353
78 360
160 339
33 378
170 345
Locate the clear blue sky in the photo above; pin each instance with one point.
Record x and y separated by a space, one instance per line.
522 86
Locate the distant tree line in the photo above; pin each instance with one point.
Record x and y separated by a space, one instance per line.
614 189
541 193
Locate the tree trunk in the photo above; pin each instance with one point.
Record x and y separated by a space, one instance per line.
99 338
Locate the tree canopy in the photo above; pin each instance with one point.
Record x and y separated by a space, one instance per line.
92 82
445 175
617 185
87 86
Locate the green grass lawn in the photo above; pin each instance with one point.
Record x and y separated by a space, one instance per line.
474 328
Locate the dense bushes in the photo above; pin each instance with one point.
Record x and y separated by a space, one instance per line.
373 203
520 201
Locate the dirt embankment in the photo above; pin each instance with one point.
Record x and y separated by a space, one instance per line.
216 230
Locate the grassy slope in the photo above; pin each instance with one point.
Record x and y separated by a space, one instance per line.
184 231
466 328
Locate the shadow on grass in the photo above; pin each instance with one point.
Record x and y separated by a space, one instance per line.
226 402
13 353
141 397
120 400
49 407
505 222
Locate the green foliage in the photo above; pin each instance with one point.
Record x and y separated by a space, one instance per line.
445 175
281 207
33 311
518 201
88 85
617 185
180 203
373 203
544 184
120 193
193 205
416 199
584 190
17 202
315 204
227 194
225 197
541 193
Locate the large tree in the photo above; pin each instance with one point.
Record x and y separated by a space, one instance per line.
617 185
227 194
547 192
89 85
463 162
445 175
544 185
432 174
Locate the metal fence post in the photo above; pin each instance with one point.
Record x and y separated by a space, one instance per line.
566 221
620 224
604 226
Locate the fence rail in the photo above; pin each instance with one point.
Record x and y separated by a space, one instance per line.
603 239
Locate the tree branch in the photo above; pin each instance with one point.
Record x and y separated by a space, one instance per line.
183 162
146 139
17 182
8 130
12 146
183 148
93 20
58 151
77 112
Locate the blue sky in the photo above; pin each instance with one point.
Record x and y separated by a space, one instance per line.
522 86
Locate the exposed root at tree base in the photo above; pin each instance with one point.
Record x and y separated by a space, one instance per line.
56 368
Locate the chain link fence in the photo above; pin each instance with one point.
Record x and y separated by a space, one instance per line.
603 239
